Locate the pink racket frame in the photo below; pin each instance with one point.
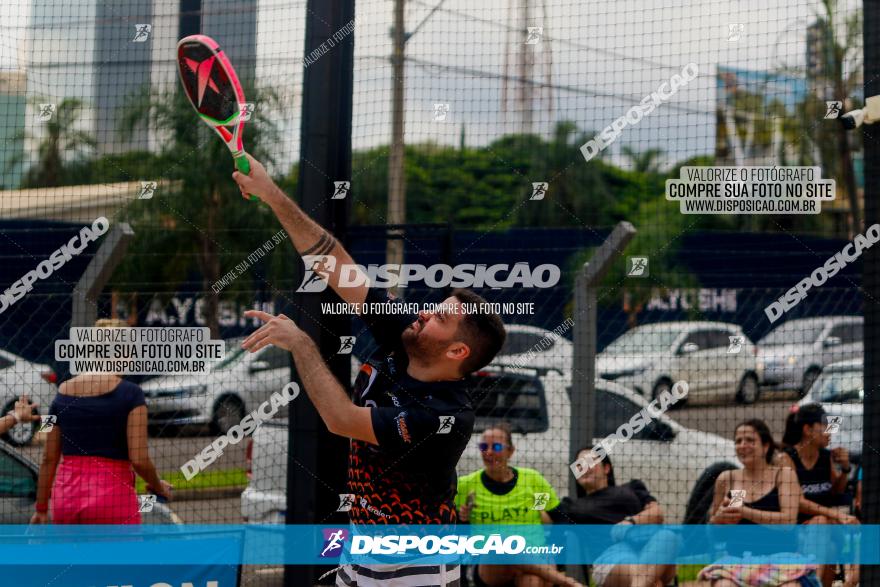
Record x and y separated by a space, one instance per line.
233 140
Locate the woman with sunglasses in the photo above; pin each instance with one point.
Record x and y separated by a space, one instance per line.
502 494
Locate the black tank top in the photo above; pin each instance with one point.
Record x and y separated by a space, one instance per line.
816 482
769 502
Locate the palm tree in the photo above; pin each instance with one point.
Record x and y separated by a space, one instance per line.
835 59
204 223
840 69
61 144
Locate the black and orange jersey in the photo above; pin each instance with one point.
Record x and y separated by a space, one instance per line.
422 429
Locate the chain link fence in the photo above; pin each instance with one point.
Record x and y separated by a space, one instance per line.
531 130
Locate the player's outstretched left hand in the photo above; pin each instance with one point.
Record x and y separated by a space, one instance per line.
278 330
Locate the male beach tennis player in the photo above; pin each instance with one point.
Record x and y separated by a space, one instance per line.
411 417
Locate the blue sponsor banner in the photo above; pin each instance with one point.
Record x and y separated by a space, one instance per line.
208 545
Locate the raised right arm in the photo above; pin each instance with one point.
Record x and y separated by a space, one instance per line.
308 237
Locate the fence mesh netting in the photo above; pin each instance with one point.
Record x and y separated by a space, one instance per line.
531 130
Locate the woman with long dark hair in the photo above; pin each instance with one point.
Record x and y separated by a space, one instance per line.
759 493
822 474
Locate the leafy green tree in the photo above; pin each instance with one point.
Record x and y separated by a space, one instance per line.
646 161
578 193
61 148
489 188
200 219
841 67
444 184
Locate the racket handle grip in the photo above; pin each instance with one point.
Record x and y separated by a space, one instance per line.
244 166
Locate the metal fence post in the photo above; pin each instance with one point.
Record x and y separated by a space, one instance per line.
318 460
583 397
84 298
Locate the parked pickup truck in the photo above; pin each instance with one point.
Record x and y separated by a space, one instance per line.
668 457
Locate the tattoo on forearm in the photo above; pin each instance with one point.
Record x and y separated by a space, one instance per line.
324 245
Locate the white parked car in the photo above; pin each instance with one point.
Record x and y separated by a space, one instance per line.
794 353
548 351
264 500
650 358
19 377
666 456
232 388
841 391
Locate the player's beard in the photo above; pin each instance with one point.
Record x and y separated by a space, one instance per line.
420 348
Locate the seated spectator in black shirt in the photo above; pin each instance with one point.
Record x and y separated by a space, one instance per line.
806 452
601 501
759 493
822 473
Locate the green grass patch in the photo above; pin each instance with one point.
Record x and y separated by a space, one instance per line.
688 572
204 480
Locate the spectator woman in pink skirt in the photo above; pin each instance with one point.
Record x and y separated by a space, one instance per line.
97 444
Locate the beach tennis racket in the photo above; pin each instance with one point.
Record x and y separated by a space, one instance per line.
212 87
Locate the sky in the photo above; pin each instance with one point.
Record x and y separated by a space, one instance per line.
601 58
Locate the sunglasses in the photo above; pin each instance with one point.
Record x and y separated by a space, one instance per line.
496 446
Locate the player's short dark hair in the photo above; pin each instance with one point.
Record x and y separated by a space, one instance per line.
482 331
